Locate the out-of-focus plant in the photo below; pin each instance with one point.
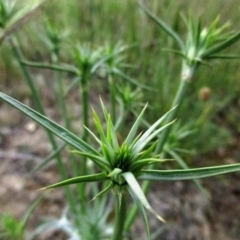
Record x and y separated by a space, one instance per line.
15 229
94 223
13 15
11 228
113 68
53 39
202 44
129 100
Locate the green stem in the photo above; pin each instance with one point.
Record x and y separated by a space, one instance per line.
59 68
120 118
184 83
60 93
120 214
19 56
112 98
85 114
62 104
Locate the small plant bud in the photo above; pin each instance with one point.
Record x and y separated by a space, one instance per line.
204 93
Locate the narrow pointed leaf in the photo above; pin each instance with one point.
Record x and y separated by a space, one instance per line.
144 154
105 112
93 135
133 184
222 45
111 135
88 178
134 128
183 164
105 190
187 174
148 161
73 84
100 62
165 27
99 127
100 161
217 56
56 129
142 144
63 68
49 158
149 151
108 153
148 135
180 53
153 127
141 210
137 166
130 80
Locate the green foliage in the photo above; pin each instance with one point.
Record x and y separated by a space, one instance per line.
11 228
117 165
122 164
13 15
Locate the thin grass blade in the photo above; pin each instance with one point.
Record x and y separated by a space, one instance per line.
222 46
134 186
183 164
111 135
82 179
141 144
133 131
137 166
56 129
141 210
145 154
61 68
93 135
105 190
74 83
148 135
187 174
48 159
130 80
223 57
164 26
99 127
100 161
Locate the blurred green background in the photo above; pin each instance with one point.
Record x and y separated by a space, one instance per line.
100 22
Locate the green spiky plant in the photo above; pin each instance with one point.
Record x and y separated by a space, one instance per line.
13 15
202 44
87 62
121 165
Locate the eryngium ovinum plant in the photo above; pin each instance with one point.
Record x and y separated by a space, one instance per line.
201 45
121 166
13 15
